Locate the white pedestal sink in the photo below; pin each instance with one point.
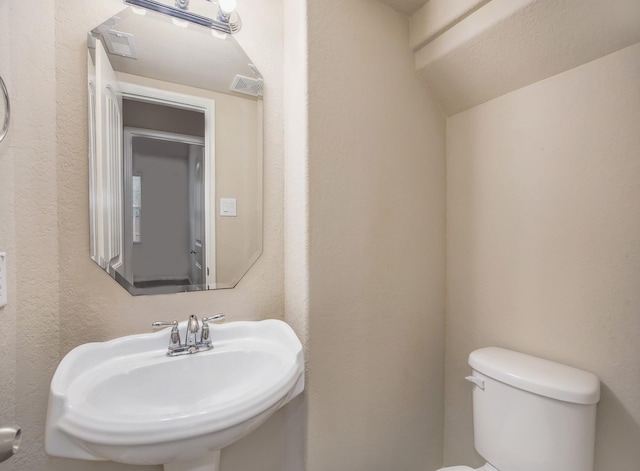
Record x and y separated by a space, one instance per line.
126 401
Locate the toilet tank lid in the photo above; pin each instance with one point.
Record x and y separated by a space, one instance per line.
543 377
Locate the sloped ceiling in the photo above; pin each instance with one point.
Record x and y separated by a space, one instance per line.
408 7
471 51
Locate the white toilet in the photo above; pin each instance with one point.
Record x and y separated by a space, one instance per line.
531 414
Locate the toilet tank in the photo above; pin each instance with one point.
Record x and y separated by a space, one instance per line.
531 414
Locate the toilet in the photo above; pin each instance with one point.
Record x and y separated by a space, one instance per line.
531 414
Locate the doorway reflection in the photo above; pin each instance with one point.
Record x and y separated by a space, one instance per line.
164 168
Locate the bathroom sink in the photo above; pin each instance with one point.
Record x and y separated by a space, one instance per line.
127 401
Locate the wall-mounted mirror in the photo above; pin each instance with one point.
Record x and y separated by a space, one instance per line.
175 154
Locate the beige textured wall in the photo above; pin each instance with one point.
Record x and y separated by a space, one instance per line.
296 168
296 204
7 232
59 298
543 228
376 260
29 199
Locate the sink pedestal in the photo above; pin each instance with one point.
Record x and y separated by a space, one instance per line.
209 462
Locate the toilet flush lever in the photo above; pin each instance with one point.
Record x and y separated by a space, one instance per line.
477 381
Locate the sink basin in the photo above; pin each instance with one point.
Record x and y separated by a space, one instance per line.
125 400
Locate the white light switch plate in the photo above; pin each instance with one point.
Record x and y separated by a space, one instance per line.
3 279
228 207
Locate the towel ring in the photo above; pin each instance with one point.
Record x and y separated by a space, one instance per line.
5 126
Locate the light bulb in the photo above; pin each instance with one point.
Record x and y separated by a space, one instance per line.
227 6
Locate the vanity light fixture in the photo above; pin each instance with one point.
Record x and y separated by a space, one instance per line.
226 9
227 21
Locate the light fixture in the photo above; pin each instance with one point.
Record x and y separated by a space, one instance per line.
227 21
225 9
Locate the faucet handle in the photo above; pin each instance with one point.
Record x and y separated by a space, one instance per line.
205 336
216 318
162 324
175 334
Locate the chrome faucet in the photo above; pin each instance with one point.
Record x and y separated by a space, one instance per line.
192 331
191 344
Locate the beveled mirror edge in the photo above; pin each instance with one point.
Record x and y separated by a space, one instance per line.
259 215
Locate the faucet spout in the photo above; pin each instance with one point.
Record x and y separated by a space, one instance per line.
193 327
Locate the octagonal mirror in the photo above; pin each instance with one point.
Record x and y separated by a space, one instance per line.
175 154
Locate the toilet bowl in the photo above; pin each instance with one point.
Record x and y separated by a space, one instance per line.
524 407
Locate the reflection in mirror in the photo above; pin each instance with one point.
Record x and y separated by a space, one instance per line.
175 154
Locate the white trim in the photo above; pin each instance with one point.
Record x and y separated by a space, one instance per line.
164 135
108 163
206 106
